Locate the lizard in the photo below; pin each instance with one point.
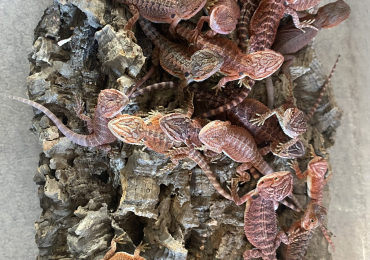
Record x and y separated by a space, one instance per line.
269 132
292 120
112 255
162 11
236 65
260 223
301 231
178 61
222 17
316 181
237 143
290 39
133 130
110 103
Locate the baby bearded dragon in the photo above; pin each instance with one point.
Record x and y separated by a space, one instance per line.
112 255
268 132
236 65
290 40
133 130
260 223
300 233
110 103
178 61
163 11
223 17
237 143
316 181
268 15
292 120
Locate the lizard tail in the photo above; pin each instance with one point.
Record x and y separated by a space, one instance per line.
153 34
326 235
83 140
156 86
310 114
197 157
262 166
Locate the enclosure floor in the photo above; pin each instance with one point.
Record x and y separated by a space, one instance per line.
349 212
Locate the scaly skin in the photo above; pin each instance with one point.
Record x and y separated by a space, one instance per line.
178 61
223 17
260 223
300 233
236 65
110 103
268 132
133 130
292 120
163 11
237 143
112 255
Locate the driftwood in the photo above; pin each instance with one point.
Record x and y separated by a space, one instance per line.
88 197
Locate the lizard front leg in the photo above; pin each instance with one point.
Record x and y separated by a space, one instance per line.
259 119
226 79
295 167
234 192
80 113
283 147
128 27
281 237
296 21
244 176
141 248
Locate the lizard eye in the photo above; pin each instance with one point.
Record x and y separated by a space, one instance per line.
262 182
312 220
276 178
186 74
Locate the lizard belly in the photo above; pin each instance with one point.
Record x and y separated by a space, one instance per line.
260 224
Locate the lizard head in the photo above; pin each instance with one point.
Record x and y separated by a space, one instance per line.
295 122
275 186
204 63
127 128
296 150
332 14
111 102
223 19
319 166
213 135
261 64
313 216
188 8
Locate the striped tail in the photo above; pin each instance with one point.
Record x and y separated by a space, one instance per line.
310 114
261 165
168 84
248 8
198 158
233 103
326 235
83 140
186 33
152 33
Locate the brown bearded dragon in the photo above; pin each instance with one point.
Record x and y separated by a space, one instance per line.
292 120
236 65
178 61
110 104
237 143
301 232
162 11
290 39
316 181
112 255
133 130
260 223
223 17
269 132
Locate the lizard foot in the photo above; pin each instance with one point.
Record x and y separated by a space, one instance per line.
210 4
80 106
119 239
194 35
307 24
218 87
142 247
244 82
293 164
258 120
281 147
131 35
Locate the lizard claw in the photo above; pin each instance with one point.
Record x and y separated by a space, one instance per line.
119 239
218 88
142 247
258 120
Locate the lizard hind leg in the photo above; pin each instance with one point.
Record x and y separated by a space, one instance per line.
243 175
130 23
